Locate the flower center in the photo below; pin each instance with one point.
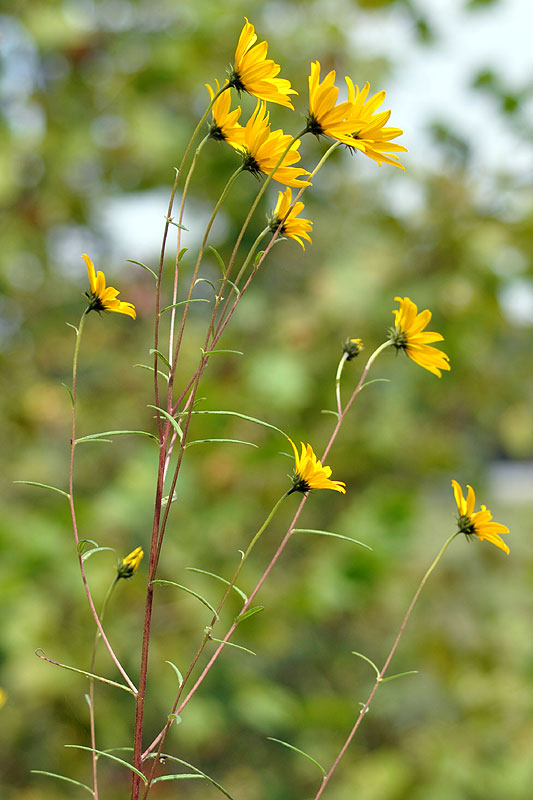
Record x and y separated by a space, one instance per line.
466 526
95 302
299 484
313 125
398 338
235 80
250 164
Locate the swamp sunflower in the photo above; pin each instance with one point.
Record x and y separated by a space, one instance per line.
325 117
255 74
408 334
102 298
292 227
369 133
224 125
263 149
477 523
310 474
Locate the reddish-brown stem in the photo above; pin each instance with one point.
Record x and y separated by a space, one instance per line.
383 671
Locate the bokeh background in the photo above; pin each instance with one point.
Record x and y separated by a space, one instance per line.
98 100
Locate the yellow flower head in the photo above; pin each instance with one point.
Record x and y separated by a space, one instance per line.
477 523
408 334
263 149
102 298
224 125
310 474
297 229
325 117
130 563
369 135
256 74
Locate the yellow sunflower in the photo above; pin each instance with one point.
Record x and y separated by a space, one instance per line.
256 74
478 523
296 229
263 149
325 117
371 138
130 563
310 474
408 334
224 126
102 298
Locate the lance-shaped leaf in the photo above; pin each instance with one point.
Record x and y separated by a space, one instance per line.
199 597
301 752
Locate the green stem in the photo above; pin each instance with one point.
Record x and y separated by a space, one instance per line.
381 675
91 688
338 376
249 257
221 199
178 247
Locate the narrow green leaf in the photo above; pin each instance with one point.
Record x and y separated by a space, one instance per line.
218 258
335 535
399 675
175 717
40 654
185 302
140 264
90 553
62 778
179 776
83 542
168 757
244 416
171 419
232 644
368 661
301 752
231 441
95 436
199 597
206 280
110 756
258 257
176 224
219 578
178 673
159 372
44 486
69 390
182 253
329 411
375 380
248 613
73 327
160 355
214 352
234 286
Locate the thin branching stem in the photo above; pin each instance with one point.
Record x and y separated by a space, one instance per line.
91 689
380 677
119 666
179 708
159 741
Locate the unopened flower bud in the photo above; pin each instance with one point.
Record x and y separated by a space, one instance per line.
129 564
352 348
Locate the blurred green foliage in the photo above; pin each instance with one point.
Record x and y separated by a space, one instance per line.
99 99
